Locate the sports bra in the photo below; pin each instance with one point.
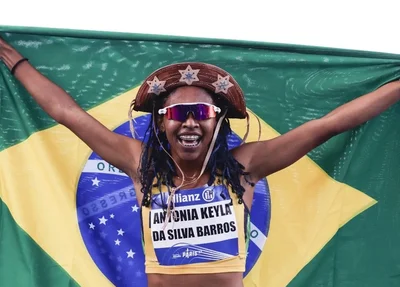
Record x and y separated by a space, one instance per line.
207 234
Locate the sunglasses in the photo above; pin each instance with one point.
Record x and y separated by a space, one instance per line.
180 112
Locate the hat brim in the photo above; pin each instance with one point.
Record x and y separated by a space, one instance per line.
209 77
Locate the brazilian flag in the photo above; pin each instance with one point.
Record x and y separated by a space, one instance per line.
68 218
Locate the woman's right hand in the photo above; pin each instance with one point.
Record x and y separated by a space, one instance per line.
8 54
120 151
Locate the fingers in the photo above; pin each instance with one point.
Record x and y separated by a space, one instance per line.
8 54
5 48
3 43
1 48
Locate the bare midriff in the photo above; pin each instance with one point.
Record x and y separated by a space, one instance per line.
196 280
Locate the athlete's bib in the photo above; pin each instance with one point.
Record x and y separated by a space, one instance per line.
204 229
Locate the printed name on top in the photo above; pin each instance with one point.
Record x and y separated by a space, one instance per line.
203 223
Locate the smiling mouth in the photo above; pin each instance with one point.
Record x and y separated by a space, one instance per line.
189 140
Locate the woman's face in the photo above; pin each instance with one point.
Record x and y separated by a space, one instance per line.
189 140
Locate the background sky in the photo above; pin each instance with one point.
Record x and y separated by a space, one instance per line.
351 24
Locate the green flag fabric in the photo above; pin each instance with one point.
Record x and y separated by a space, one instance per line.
68 218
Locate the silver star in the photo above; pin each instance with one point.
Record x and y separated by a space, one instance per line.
222 84
156 86
189 75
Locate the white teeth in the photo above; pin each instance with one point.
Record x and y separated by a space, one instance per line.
189 137
189 140
190 143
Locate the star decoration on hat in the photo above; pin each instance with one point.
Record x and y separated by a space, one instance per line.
189 75
156 86
222 84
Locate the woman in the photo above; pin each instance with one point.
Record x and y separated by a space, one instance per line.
194 192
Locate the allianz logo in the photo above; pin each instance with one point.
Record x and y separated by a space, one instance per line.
207 195
178 198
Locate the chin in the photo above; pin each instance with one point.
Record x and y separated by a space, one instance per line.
193 155
190 156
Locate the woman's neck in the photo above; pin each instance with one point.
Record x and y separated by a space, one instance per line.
192 180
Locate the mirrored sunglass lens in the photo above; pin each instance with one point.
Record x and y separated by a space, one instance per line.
200 112
177 113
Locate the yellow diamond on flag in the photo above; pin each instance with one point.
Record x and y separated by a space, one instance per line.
308 206
307 209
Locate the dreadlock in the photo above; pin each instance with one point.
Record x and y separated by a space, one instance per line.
157 168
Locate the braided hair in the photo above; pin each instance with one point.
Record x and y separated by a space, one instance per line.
157 168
